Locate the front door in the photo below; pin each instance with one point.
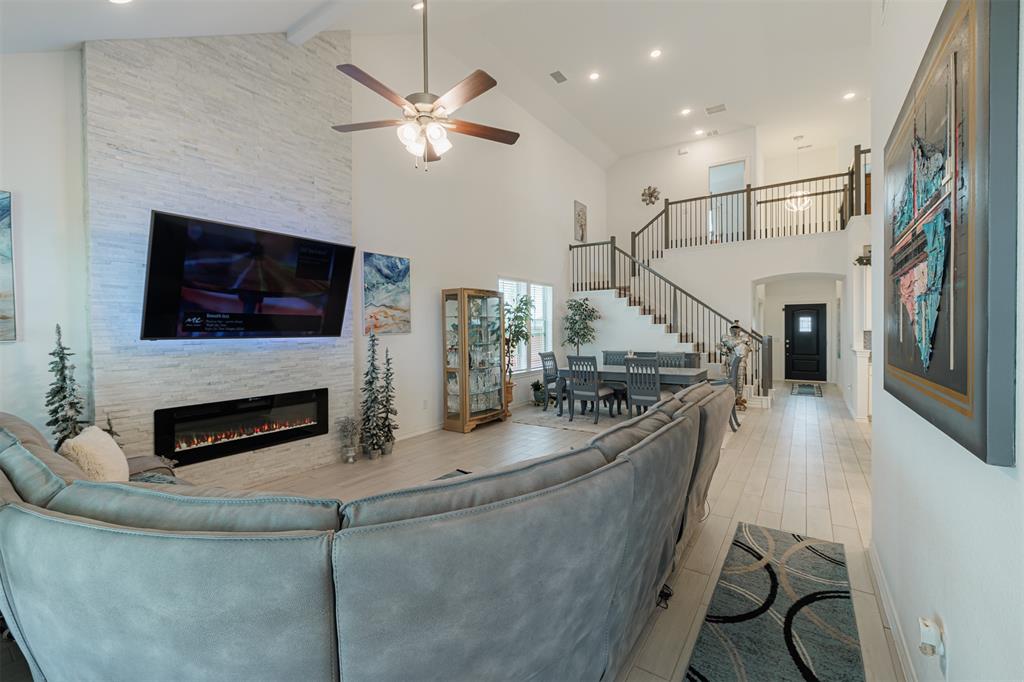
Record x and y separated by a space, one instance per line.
805 342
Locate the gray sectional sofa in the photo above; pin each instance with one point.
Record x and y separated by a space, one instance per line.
544 570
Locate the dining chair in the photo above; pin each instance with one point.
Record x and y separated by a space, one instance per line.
732 381
643 384
616 358
554 385
585 385
671 359
646 354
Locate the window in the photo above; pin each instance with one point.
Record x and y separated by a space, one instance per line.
805 324
527 356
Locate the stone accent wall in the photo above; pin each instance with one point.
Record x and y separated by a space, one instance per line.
235 129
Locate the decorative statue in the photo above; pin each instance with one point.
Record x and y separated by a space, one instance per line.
735 343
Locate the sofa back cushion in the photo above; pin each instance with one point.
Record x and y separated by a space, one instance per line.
90 601
714 417
516 589
473 490
194 508
35 482
622 437
14 429
663 465
7 492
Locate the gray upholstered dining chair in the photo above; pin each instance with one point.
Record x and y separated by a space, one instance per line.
643 384
671 359
585 386
554 386
732 381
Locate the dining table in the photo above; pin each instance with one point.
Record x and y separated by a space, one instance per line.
671 378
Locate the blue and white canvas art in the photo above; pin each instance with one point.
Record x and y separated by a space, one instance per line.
7 329
387 294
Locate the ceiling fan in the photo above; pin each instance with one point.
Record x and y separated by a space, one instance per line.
425 122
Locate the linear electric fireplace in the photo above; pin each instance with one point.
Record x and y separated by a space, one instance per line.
195 433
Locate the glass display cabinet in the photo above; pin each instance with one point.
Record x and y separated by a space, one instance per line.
474 329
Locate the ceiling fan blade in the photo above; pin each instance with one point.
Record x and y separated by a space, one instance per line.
431 155
368 125
369 81
471 87
479 130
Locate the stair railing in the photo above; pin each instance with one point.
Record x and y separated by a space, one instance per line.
817 205
599 266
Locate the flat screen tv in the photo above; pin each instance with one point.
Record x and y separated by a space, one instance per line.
209 280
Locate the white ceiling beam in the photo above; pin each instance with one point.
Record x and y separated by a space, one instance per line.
324 18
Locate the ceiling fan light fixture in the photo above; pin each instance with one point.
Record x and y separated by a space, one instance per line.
441 145
418 147
408 133
436 132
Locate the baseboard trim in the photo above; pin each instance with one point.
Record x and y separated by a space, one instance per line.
419 432
902 648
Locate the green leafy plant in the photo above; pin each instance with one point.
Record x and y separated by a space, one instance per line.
536 386
64 403
578 324
348 430
518 315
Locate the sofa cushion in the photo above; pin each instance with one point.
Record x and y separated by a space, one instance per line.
32 479
714 417
194 508
473 490
97 454
622 437
99 602
34 442
695 393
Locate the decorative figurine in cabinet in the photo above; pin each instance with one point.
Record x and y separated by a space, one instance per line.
474 330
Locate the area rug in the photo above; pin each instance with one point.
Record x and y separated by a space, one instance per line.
813 390
537 416
781 610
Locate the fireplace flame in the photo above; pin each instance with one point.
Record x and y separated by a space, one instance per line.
199 440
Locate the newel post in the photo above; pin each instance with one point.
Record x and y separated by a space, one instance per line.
749 212
856 180
666 224
632 253
611 263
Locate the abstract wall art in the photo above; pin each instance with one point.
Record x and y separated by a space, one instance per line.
579 221
949 289
7 319
387 294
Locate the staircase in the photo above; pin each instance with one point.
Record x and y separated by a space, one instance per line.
810 206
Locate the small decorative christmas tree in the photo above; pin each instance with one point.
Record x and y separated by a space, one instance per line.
373 437
388 425
63 401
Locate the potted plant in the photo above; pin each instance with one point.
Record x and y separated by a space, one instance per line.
348 429
517 332
388 412
373 441
578 324
540 394
64 403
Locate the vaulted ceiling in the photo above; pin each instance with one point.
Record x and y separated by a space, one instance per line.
781 66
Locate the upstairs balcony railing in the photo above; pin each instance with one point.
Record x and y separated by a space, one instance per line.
785 209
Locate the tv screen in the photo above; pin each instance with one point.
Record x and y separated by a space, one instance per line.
209 280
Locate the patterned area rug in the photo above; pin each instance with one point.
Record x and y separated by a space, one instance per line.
781 611
536 416
806 389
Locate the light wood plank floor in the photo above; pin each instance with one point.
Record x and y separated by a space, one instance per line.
804 466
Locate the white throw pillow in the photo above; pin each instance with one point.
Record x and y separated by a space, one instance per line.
96 453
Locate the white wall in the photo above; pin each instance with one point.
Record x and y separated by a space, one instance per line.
948 531
796 289
807 163
41 165
676 176
484 211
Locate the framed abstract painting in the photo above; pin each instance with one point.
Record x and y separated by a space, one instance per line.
387 294
8 331
950 232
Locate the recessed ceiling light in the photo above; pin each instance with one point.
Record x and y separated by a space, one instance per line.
120 2
594 75
698 131
850 95
655 53
685 112
418 6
